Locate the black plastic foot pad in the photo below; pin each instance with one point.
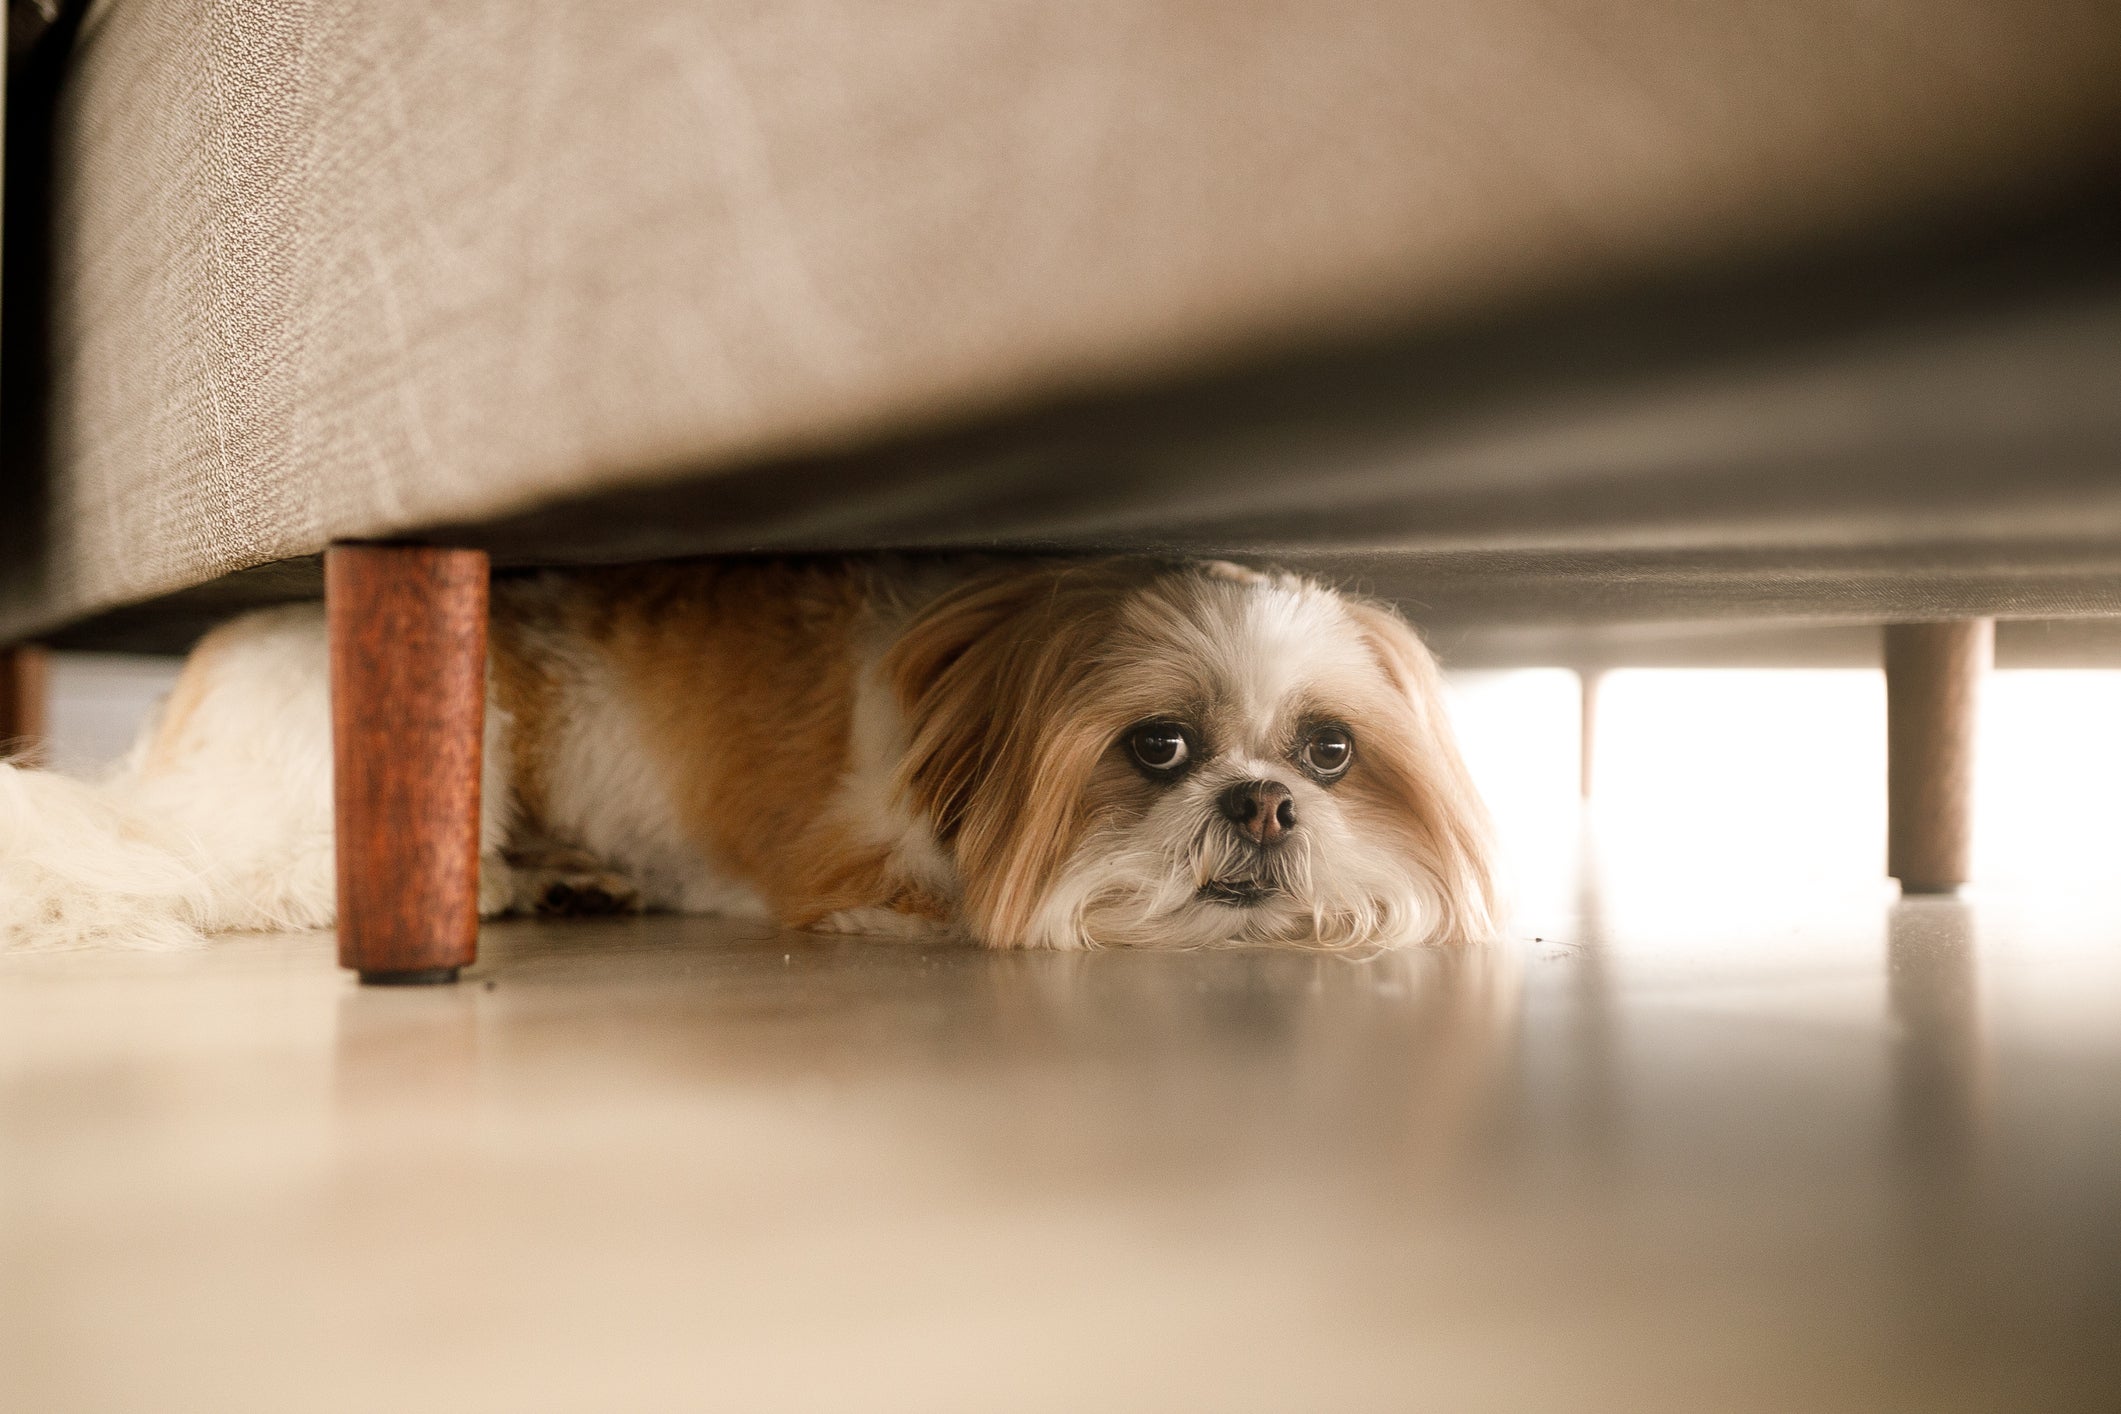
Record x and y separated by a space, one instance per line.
418 977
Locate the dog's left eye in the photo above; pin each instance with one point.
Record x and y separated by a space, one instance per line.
1328 751
1160 746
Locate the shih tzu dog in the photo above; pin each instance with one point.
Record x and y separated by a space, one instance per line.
1034 754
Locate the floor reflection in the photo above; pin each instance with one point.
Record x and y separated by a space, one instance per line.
1939 1052
406 1056
1940 1092
1266 1063
1595 1113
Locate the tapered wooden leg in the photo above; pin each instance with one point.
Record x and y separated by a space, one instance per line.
408 705
1587 680
23 693
1933 676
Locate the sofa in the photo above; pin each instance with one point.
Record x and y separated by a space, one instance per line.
1529 315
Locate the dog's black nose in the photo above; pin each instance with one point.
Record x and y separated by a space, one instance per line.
1262 809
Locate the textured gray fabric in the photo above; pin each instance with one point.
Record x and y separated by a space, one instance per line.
346 267
1723 459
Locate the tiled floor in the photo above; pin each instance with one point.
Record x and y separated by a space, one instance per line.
1821 1154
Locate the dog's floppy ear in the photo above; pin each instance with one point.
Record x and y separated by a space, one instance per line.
1424 779
1004 732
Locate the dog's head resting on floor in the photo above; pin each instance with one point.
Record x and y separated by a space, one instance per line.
1140 754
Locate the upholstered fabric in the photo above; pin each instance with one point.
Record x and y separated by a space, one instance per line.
328 268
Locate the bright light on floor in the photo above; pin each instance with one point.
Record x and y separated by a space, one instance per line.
1706 776
2048 802
1518 731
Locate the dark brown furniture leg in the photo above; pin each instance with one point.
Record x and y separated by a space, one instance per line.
1933 675
408 708
23 691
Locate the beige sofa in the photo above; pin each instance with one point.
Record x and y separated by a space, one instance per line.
1526 313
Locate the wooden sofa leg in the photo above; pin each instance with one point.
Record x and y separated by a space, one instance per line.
23 692
1933 675
408 708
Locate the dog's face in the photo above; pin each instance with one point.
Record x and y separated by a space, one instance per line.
1128 755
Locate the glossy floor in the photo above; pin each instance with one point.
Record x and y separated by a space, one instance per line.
1818 1152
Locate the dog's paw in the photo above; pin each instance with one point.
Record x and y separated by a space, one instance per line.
580 895
569 883
878 922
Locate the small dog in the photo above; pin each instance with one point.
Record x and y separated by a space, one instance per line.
1032 754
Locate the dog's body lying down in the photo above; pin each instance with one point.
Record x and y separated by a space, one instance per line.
1041 754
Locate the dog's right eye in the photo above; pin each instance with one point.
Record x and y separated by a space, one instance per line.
1159 746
